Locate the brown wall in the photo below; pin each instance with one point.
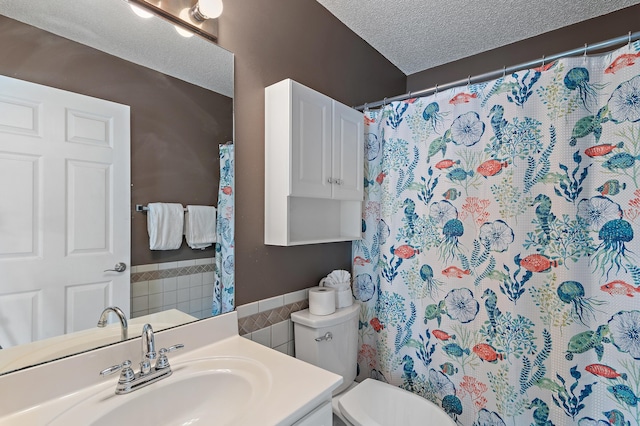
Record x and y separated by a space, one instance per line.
175 126
274 40
602 28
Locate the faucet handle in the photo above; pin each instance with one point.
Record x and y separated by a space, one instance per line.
163 360
175 347
126 376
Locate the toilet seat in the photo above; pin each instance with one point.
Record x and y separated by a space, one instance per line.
375 403
335 401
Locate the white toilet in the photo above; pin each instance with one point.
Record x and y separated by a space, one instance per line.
331 342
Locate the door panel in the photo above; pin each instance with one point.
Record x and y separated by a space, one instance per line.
348 153
84 300
20 317
311 143
20 229
88 206
19 116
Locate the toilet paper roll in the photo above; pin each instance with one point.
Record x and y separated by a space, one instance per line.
322 300
344 298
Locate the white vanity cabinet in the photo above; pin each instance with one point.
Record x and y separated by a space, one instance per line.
321 416
314 163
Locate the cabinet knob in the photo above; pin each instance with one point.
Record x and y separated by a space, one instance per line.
330 180
338 181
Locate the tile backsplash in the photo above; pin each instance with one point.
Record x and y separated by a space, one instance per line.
186 285
268 321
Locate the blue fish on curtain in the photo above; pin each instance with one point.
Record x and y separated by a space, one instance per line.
224 281
498 272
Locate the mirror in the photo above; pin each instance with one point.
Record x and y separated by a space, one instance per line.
167 154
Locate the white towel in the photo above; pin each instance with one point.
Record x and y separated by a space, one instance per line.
165 222
200 226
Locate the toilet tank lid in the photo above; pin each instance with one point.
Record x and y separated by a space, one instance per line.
341 315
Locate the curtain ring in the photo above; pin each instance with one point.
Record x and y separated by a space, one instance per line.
436 88
468 82
543 61
504 71
366 107
409 94
584 56
384 102
629 44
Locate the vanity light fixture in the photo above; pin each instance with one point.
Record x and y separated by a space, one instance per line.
206 9
188 18
199 12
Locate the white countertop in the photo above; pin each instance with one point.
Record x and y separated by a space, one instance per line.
41 393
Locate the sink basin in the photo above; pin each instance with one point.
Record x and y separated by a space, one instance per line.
216 390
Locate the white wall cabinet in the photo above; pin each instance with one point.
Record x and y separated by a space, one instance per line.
314 163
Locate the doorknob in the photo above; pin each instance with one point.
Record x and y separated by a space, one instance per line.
120 267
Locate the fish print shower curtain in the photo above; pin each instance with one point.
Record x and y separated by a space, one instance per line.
499 274
224 280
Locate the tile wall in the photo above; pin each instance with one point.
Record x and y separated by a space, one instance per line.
186 285
268 321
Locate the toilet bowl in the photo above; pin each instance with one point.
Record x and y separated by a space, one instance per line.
331 342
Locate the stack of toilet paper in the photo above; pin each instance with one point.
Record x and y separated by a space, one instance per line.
340 281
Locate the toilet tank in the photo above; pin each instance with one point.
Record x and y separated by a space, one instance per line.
337 353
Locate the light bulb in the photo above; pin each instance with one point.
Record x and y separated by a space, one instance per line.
184 15
210 8
140 11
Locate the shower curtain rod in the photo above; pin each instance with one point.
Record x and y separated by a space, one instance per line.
631 37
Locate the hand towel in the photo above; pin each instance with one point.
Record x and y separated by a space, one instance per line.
165 222
338 279
200 226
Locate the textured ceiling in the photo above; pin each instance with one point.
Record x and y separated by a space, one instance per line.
111 26
419 34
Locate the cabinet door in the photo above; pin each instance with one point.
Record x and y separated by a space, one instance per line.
311 143
321 416
347 153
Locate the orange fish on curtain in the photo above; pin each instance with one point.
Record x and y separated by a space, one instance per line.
491 167
622 61
463 98
619 287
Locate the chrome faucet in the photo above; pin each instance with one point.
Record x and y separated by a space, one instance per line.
148 349
129 380
124 327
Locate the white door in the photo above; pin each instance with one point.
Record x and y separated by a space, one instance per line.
64 210
311 143
348 153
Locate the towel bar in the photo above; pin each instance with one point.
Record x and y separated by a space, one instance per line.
141 208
